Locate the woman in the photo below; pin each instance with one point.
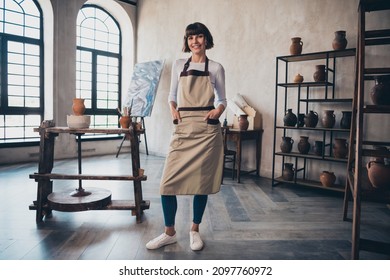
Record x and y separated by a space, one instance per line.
195 158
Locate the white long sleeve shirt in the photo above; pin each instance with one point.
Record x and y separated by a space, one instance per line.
217 77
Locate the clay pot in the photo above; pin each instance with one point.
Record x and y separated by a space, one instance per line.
318 146
340 148
319 74
290 119
311 119
327 179
378 174
380 93
345 121
287 144
125 121
78 106
304 145
328 119
296 46
243 122
288 172
301 120
298 78
339 42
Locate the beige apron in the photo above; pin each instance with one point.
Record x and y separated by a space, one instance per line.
195 159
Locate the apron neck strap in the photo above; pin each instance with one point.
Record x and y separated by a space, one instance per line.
187 64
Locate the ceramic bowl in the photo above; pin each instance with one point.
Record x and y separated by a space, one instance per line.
78 121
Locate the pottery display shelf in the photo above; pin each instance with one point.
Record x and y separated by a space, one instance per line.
84 199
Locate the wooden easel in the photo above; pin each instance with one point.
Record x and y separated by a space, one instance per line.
134 119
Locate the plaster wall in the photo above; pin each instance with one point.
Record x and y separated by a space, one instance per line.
248 36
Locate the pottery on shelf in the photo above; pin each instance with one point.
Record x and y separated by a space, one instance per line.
78 106
318 148
296 46
287 144
311 119
319 74
339 42
378 174
327 179
328 119
304 145
301 120
345 121
380 93
288 172
298 78
243 122
290 119
340 148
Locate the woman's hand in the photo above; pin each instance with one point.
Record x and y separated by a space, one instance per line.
174 112
215 113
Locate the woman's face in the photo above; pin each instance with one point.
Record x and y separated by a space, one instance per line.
197 43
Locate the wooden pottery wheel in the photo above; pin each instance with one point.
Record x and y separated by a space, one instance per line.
64 201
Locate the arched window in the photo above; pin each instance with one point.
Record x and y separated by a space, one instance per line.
98 65
21 71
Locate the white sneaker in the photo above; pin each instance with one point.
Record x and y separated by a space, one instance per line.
196 242
161 240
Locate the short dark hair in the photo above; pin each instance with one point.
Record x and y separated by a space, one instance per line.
196 29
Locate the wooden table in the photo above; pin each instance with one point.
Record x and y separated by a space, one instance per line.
238 136
80 199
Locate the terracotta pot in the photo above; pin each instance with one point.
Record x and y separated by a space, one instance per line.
298 78
287 144
380 93
327 179
290 119
243 122
288 172
311 119
328 119
125 121
296 46
345 121
304 145
339 42
318 146
78 106
340 148
319 74
378 174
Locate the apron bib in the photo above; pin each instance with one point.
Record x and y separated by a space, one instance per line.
194 162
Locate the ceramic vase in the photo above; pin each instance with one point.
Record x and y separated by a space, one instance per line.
290 119
243 122
288 172
319 74
311 119
125 121
317 148
78 106
339 42
328 119
304 145
327 179
296 46
346 118
298 78
380 93
378 174
287 144
340 148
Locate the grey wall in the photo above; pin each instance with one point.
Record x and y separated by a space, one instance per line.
248 35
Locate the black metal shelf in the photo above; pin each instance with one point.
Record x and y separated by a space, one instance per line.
311 183
318 55
314 128
312 156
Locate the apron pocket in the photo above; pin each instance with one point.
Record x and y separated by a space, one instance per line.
213 121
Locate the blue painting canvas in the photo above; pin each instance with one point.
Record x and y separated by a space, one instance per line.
143 87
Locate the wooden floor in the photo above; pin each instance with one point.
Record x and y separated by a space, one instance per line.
250 220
